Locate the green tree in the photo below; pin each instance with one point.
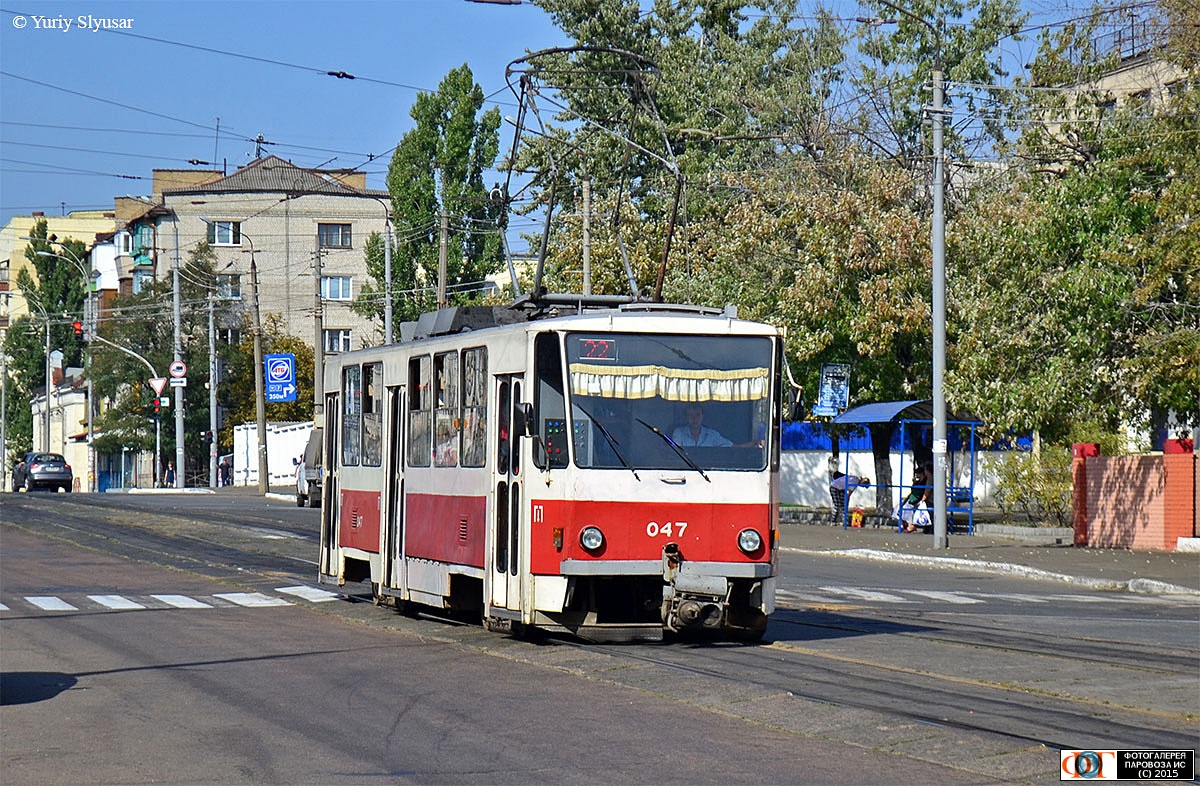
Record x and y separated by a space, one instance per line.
143 323
438 169
237 393
1078 275
55 297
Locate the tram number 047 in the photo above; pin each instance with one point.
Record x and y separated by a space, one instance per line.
668 529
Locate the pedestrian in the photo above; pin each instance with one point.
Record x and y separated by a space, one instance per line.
841 487
226 472
169 475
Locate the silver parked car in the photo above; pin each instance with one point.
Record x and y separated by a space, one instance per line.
44 470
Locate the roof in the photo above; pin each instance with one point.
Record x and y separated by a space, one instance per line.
274 175
890 411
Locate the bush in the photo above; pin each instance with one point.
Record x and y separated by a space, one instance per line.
1036 487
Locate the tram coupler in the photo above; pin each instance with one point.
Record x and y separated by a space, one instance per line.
691 599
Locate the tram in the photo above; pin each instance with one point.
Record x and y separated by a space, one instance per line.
546 470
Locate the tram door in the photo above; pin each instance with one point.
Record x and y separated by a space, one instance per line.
393 547
329 487
505 557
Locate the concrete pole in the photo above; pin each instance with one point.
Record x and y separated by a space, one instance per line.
180 464
387 280
318 343
212 394
49 383
260 411
587 236
443 250
938 242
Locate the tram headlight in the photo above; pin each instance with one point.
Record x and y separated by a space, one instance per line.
591 538
749 541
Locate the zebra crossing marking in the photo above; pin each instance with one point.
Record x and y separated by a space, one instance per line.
311 594
51 603
182 602
113 602
116 602
862 594
252 599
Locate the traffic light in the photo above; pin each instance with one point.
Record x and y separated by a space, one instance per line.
78 331
157 406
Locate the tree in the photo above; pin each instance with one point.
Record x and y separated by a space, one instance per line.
437 170
143 323
237 392
1078 275
55 298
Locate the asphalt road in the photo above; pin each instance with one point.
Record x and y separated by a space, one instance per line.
880 674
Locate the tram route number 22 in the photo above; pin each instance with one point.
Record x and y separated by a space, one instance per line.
667 529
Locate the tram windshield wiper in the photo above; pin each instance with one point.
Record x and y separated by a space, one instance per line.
678 450
612 441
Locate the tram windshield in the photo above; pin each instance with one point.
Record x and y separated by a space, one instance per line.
669 401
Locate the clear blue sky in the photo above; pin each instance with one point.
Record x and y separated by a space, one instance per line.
85 115
139 99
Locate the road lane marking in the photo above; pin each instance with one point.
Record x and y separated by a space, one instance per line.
3 607
50 603
309 593
252 599
116 602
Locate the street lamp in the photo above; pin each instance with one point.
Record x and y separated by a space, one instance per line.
938 247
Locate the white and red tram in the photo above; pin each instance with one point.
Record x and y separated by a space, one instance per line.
539 471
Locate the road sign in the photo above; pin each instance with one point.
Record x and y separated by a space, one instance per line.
280 378
178 369
158 383
179 382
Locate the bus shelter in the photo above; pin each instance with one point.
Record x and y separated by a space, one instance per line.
911 430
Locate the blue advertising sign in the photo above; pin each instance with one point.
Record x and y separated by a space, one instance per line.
280 378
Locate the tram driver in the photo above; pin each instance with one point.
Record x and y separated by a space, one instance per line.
697 435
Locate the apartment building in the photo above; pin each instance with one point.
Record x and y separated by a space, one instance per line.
304 231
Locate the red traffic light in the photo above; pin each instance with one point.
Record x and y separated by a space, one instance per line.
78 329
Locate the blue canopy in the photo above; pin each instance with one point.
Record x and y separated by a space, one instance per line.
887 412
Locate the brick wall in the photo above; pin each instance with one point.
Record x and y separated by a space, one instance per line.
1136 502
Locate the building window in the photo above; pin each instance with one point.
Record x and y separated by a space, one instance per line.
229 286
124 243
141 278
225 233
337 340
333 235
335 287
231 336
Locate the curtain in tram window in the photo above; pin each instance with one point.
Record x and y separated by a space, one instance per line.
672 384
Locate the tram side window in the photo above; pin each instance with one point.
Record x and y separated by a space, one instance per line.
474 398
351 415
372 415
549 403
420 410
446 418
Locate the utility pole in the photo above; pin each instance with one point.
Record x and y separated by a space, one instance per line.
260 411
180 468
212 394
940 464
443 250
318 343
938 249
387 278
587 236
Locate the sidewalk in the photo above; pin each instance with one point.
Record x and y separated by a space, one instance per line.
1113 569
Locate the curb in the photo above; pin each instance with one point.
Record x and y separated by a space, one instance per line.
1144 586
